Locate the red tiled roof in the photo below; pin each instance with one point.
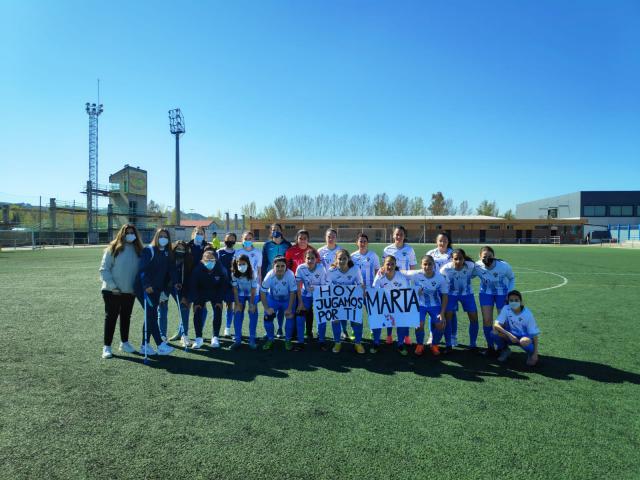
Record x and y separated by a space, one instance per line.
196 223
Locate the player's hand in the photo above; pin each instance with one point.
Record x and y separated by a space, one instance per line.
149 290
197 308
269 311
514 339
288 314
218 305
178 286
184 301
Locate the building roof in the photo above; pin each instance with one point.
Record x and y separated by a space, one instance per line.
197 223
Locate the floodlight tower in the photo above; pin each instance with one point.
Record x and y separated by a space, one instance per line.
176 125
94 112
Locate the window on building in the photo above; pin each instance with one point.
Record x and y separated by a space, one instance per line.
509 227
289 227
595 210
126 187
133 206
621 210
541 227
552 213
494 227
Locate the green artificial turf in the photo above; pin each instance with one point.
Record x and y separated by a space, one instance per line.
66 413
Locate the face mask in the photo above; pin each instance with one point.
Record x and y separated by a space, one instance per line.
163 241
243 268
247 243
210 264
276 235
229 243
487 261
514 305
198 239
130 237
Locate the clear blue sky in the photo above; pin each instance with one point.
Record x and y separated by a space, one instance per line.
504 100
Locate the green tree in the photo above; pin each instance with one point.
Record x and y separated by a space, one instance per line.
487 208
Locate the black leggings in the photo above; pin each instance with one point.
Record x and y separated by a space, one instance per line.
198 320
117 306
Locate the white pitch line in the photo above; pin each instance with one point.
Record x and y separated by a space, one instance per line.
561 284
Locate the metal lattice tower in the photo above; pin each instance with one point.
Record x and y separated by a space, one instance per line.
176 126
94 112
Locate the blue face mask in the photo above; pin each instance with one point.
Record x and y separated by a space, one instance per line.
210 264
247 243
276 234
198 239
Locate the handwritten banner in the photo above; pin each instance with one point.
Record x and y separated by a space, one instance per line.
338 302
392 308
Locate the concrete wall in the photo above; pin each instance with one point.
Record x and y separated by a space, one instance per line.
568 206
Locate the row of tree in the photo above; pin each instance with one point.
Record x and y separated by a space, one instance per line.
362 204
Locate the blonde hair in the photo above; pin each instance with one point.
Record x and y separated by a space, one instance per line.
117 244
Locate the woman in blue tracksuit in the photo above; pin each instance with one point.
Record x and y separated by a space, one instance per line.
197 245
209 282
155 277
183 267
225 257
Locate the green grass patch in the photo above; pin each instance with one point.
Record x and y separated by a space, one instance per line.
66 413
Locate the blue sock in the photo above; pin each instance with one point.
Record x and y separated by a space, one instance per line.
474 328
237 326
280 320
288 328
253 325
300 323
337 330
357 330
322 332
454 325
230 317
377 332
447 335
268 326
420 336
488 335
437 336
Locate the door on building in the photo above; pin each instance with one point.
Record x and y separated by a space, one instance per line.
483 236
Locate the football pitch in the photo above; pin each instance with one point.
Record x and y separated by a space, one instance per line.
67 413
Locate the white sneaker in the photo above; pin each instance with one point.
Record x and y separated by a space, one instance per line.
148 349
430 339
197 343
164 349
215 343
164 338
186 342
227 332
127 347
106 352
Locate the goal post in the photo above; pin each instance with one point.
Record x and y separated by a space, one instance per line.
17 238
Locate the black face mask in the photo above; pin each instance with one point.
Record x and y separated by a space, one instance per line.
179 253
487 261
229 243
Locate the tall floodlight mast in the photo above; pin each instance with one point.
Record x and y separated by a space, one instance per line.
94 112
176 125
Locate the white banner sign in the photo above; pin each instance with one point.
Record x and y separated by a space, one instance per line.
338 302
392 308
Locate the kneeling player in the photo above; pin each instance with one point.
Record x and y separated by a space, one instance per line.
516 325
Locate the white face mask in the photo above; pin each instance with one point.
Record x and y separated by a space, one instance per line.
130 237
514 305
243 268
163 241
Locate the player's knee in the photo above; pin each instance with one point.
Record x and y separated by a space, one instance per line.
525 341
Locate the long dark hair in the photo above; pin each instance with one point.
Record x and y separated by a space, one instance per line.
302 232
447 236
234 267
460 251
118 243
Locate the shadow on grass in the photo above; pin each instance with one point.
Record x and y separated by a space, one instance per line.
245 364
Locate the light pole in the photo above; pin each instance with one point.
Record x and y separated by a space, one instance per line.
176 126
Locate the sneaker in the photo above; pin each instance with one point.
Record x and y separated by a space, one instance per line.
359 348
504 354
279 333
407 340
215 342
323 346
227 332
345 337
374 348
185 341
288 345
148 349
430 339
435 350
252 345
127 347
402 350
419 350
336 348
197 343
235 346
165 349
106 352
389 339
268 345
175 337
454 340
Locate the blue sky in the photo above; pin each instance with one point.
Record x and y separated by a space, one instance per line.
503 100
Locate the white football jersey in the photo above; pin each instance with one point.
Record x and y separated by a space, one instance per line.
405 256
369 264
255 258
350 277
279 288
497 280
521 324
441 259
328 256
244 285
460 280
432 288
310 279
398 281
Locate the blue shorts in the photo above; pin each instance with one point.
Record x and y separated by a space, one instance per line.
243 300
307 302
468 303
280 304
529 349
433 313
488 300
